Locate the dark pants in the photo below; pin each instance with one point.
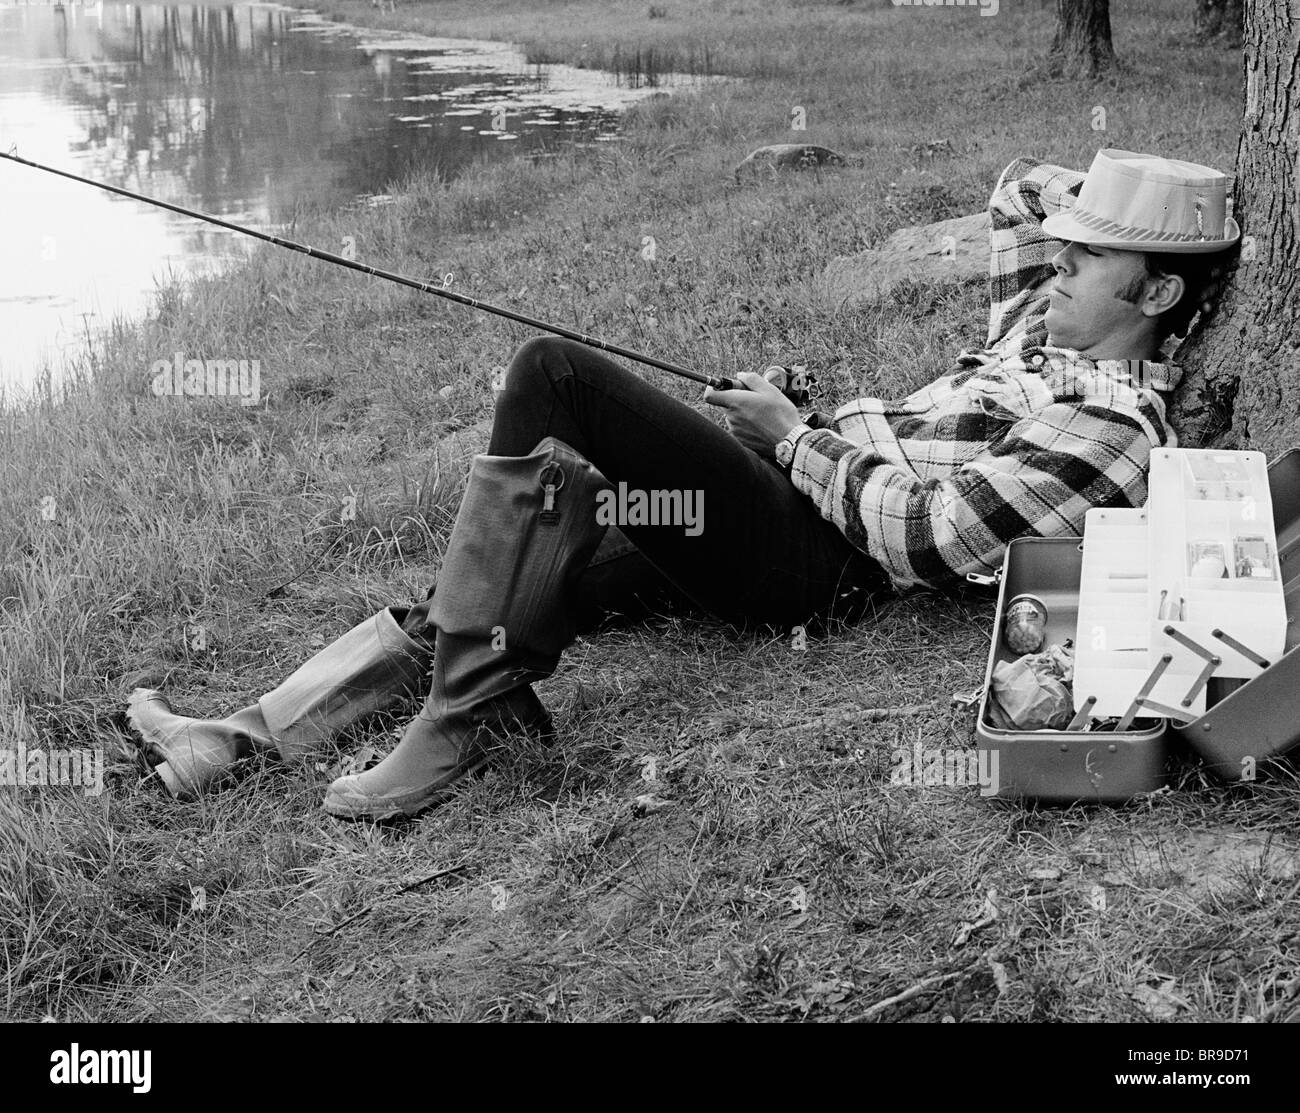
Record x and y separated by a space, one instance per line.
763 554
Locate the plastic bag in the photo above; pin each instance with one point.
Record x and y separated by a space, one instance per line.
1033 692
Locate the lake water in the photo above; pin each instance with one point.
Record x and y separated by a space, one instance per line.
242 111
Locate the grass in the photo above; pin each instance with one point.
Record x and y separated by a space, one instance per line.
788 879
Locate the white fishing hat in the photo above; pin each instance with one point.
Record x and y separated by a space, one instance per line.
1139 202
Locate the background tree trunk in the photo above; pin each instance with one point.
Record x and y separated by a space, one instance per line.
1219 18
1081 46
1241 385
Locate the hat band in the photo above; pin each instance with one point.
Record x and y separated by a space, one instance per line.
1128 232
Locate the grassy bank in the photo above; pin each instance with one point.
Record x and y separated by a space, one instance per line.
213 547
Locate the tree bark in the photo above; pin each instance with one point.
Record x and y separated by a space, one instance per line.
1081 46
1241 369
1219 19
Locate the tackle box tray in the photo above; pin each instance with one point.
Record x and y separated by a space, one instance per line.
1245 723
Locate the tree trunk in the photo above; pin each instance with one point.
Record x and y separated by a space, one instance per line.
1219 19
1081 46
1241 385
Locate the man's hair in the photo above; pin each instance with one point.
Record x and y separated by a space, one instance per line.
1203 276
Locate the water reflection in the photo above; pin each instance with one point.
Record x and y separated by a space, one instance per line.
244 111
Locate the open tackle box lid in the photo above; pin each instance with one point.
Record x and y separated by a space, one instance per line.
1246 721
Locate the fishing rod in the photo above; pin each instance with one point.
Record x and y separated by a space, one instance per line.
798 395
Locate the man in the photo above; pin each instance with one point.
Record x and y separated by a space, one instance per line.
802 520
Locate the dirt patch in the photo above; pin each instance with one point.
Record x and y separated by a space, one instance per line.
1203 862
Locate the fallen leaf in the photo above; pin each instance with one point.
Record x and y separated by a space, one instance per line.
355 763
1000 978
1159 1001
648 803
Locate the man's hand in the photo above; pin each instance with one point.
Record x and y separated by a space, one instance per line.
758 417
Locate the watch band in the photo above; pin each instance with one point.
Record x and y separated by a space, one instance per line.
786 446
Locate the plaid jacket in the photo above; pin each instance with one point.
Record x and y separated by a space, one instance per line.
1022 439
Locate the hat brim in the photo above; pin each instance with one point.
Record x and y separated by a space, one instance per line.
1063 226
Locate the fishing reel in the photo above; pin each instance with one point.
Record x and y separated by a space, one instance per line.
794 382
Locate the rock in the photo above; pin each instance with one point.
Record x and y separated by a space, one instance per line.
932 147
766 161
911 253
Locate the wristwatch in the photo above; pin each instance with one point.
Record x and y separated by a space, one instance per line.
786 445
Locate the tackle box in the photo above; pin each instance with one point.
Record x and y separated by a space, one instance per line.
1245 722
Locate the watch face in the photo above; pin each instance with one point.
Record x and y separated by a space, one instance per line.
784 453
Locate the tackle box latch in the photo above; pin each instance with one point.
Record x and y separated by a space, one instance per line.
983 580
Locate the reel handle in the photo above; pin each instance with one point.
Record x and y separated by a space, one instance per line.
794 382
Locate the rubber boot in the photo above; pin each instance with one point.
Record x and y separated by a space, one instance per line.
370 668
373 666
503 614
194 754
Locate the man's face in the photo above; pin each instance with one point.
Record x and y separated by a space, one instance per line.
1092 307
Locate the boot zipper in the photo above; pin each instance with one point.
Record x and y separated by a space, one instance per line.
550 548
552 479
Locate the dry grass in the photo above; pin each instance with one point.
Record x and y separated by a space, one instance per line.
788 879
